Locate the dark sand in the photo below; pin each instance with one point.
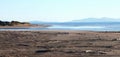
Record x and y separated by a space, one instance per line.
59 44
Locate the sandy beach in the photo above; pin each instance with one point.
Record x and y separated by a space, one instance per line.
59 44
24 26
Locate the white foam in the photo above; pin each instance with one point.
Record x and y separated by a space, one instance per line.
77 27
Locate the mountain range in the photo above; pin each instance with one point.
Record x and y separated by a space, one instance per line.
104 19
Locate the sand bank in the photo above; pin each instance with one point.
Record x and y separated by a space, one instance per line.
59 44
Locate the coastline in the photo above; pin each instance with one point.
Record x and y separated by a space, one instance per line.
24 26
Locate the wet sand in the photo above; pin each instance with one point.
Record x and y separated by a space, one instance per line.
59 44
24 26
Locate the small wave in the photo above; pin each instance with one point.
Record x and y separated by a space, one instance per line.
77 27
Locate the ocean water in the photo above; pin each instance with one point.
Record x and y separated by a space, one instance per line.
90 26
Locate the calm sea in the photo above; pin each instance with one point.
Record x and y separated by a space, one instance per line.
92 26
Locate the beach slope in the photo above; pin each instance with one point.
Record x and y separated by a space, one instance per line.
59 44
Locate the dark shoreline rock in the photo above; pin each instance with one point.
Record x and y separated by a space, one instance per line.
13 23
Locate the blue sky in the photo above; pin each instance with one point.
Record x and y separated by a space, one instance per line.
58 10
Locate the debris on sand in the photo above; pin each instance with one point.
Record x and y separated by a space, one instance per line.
42 51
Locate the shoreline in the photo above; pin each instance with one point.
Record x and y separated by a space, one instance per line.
54 30
59 31
28 26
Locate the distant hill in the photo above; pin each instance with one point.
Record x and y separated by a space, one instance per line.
13 23
40 22
104 19
97 20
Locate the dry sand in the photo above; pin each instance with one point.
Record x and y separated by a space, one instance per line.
59 44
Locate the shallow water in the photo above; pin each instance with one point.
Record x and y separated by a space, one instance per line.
96 26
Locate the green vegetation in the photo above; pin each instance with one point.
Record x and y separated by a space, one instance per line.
12 23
